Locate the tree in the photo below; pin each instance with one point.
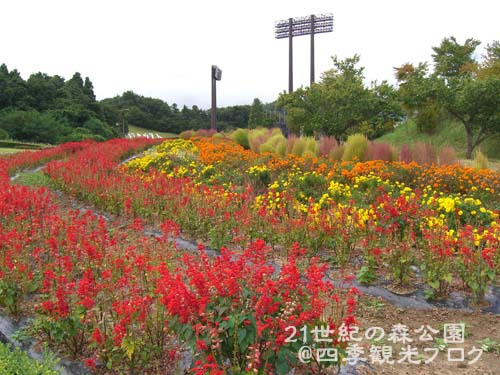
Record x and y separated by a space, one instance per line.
491 61
257 116
340 104
49 109
464 89
44 90
13 91
233 117
453 59
33 126
476 104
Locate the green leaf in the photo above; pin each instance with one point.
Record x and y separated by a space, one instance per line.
242 332
282 363
434 284
448 277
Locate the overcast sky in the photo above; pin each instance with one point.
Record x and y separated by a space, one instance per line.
164 48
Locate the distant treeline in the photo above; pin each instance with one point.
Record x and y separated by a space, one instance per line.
50 109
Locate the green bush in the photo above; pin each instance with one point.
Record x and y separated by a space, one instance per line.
312 147
272 143
428 119
33 126
281 147
355 147
240 136
257 137
3 134
299 146
218 136
16 362
97 127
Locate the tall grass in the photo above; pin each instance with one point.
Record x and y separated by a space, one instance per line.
481 161
378 151
405 154
326 145
424 153
448 156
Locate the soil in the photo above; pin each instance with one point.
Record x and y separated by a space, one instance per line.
375 312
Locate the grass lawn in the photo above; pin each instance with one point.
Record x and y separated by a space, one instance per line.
5 150
138 130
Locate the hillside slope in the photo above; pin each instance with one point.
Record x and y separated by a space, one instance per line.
449 134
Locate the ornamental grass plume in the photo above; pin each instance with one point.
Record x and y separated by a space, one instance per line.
481 161
424 153
355 147
326 145
378 151
405 154
448 156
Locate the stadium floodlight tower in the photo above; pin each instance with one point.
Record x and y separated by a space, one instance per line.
216 76
308 25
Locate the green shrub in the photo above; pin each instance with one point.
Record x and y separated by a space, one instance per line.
218 136
481 161
3 134
257 137
271 144
355 147
312 185
281 147
240 136
299 146
312 147
428 119
97 127
34 126
17 362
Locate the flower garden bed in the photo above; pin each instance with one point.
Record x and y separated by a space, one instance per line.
120 301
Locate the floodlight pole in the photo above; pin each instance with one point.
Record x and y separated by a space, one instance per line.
290 55
216 74
213 124
312 49
308 25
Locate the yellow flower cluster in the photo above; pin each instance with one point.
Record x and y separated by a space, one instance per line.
162 156
336 189
257 170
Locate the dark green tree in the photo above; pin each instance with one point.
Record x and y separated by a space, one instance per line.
44 91
257 116
13 91
33 126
